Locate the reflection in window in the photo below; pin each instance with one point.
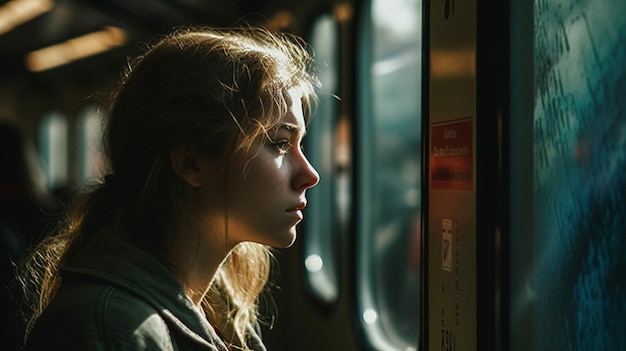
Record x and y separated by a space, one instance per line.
53 149
320 241
89 144
390 175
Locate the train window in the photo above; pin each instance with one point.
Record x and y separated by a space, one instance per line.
320 239
389 168
53 149
568 189
89 144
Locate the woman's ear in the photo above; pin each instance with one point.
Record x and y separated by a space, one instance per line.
185 162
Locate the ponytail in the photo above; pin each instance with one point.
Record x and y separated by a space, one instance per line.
39 274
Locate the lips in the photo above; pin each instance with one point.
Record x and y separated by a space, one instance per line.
299 207
302 206
297 210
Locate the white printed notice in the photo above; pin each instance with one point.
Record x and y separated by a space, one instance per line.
446 244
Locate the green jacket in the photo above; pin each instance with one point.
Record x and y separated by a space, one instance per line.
114 296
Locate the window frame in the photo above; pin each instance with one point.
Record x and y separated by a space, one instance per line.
322 239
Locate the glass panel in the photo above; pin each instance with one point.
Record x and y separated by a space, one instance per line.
580 189
321 239
53 149
570 292
89 140
389 135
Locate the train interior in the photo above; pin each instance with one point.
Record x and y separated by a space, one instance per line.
471 154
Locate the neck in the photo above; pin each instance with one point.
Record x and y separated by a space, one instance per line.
195 261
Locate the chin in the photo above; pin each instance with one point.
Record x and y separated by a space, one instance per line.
286 242
284 245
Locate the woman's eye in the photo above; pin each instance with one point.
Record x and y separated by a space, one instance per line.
282 146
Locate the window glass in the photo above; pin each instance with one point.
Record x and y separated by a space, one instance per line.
389 233
53 149
568 192
321 239
89 143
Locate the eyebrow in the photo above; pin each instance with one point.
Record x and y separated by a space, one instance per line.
291 127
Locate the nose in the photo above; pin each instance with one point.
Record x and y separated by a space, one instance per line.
306 176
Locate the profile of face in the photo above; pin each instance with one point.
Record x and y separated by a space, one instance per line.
263 196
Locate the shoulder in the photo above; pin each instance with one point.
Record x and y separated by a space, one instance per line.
95 316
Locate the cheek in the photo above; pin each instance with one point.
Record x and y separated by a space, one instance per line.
264 170
253 185
262 183
263 180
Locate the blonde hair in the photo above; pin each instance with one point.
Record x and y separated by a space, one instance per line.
217 90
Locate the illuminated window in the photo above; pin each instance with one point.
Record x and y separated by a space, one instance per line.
53 149
389 169
327 199
89 144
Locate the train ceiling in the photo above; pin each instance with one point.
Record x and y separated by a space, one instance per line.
121 24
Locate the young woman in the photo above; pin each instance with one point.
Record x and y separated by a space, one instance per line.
171 252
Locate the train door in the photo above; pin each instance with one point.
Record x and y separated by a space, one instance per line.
526 137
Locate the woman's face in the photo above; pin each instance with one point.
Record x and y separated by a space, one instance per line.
265 202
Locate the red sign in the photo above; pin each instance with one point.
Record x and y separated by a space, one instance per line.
452 155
